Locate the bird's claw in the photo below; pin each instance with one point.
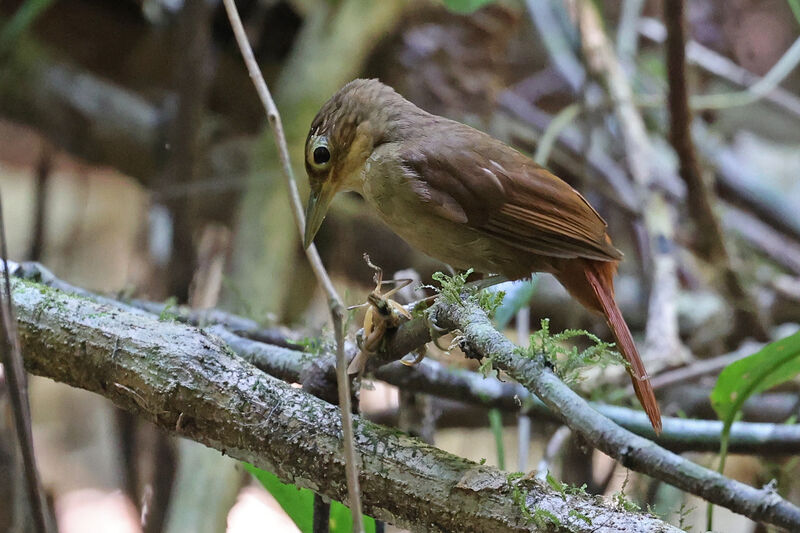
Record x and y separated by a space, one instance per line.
436 333
421 353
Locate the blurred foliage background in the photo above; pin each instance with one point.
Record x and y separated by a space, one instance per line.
135 160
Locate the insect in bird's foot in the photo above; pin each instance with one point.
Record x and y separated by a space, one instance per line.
383 314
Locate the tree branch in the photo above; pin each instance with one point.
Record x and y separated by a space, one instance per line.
431 377
272 351
187 382
630 450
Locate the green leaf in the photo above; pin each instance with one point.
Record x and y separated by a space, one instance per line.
556 485
299 504
774 364
465 6
795 5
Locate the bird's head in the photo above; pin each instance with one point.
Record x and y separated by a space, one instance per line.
359 117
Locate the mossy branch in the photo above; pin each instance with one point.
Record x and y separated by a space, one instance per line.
632 451
187 381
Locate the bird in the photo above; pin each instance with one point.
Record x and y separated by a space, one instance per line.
467 199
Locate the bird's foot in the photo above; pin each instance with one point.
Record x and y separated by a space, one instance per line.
421 353
436 332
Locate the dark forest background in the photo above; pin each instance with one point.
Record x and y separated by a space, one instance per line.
135 161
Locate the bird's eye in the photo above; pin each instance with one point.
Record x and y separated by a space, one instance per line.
321 155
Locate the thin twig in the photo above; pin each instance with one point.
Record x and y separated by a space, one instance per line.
758 90
432 377
334 301
627 36
18 390
710 243
719 65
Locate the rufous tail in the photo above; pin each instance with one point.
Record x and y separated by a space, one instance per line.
600 276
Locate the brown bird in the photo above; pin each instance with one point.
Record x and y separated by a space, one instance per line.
466 199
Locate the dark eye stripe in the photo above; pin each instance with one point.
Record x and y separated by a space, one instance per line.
321 155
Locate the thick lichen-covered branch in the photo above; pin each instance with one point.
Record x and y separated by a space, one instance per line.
187 381
278 352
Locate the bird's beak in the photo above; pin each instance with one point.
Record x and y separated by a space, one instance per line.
318 203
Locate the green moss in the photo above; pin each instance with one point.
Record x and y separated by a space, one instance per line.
683 514
557 486
568 361
520 497
451 287
227 349
51 300
420 309
168 314
580 516
487 368
490 301
621 500
514 476
455 290
313 346
544 518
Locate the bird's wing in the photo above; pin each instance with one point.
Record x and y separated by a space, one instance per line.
503 193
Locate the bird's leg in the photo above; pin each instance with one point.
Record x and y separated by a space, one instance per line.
436 332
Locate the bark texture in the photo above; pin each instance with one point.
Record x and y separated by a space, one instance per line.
187 381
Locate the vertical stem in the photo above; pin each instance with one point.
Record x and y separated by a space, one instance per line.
496 424
523 420
43 169
710 239
11 358
322 514
334 301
